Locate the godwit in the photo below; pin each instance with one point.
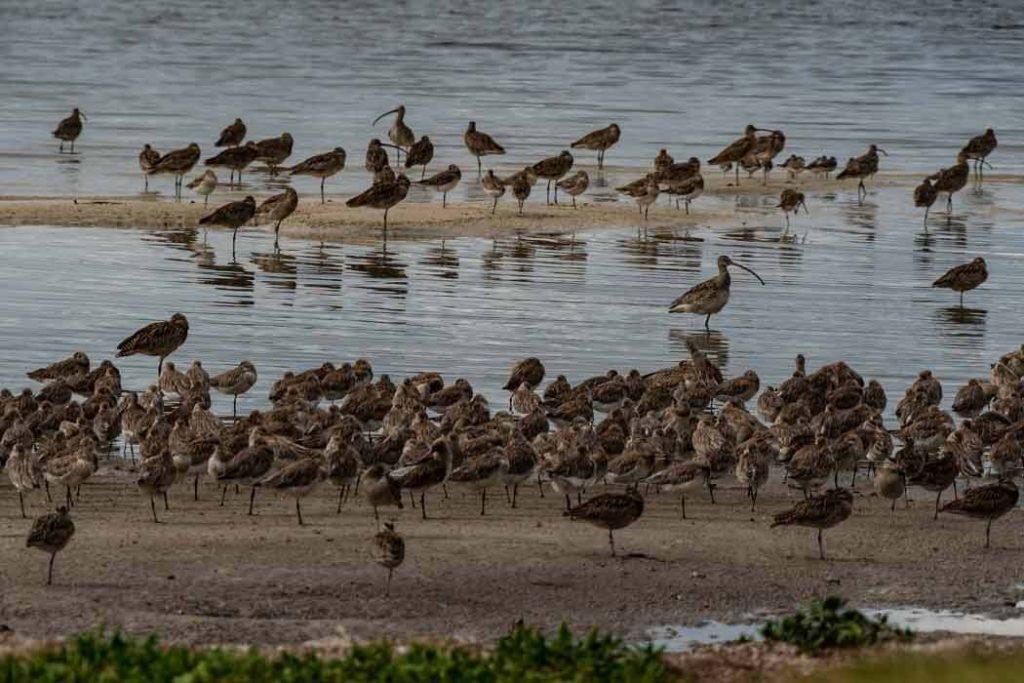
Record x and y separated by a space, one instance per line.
156 339
989 502
204 185
382 196
936 475
428 473
381 489
529 371
248 466
494 187
925 195
864 166
177 163
480 144
388 551
964 278
277 208
609 511
272 151
481 472
674 174
979 147
376 157
889 482
681 477
687 190
818 512
764 150
645 194
235 382
232 215
574 185
51 533
232 135
736 150
444 182
147 158
794 165
69 129
24 471
420 154
710 296
156 475
599 140
823 165
553 168
951 180
236 159
297 479
791 200
399 133
321 166
75 364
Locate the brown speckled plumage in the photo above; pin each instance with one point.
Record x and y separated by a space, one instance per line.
51 533
818 512
388 551
232 135
964 278
989 502
599 140
609 511
156 339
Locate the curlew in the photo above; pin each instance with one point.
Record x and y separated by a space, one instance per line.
864 166
277 208
978 148
925 195
791 200
711 296
177 162
737 150
480 144
574 185
818 512
232 135
382 195
156 339
69 129
420 154
321 166
444 182
609 511
553 168
236 159
147 158
989 502
204 185
493 187
51 533
231 215
399 133
600 141
964 278
388 551
272 151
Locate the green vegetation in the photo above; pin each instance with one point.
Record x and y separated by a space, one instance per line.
826 624
523 655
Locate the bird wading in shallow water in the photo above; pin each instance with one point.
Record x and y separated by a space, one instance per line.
710 296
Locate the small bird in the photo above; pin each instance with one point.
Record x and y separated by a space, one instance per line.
791 200
235 382
69 129
979 147
822 166
521 186
964 278
493 187
599 140
388 551
156 474
177 162
232 215
952 179
988 502
376 157
232 135
156 339
321 166
663 161
204 185
818 512
72 366
645 193
420 154
794 165
553 168
277 208
687 190
51 533
574 185
147 157
864 166
383 195
889 482
925 195
444 182
381 489
609 511
23 470
297 479
272 151
480 144
236 159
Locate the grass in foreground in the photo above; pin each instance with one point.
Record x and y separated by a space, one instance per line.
973 666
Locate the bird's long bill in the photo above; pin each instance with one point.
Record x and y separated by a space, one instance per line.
739 265
985 163
393 111
804 204
82 114
882 151
384 144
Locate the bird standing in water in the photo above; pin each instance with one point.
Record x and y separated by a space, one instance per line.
711 296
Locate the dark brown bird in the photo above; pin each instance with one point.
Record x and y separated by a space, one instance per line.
376 157
279 207
388 551
791 200
823 165
599 140
979 147
272 151
232 135
235 382
321 166
382 196
232 215
663 160
818 512
69 129
156 339
553 168
964 278
420 154
989 502
574 185
177 162
936 475
522 183
529 370
147 158
737 150
951 180
480 144
50 533
609 511
864 166
444 182
76 364
925 195
236 159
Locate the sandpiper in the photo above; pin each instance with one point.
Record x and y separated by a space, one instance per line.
400 134
297 479
248 466
681 477
388 551
382 196
794 165
979 147
147 158
574 185
687 190
420 154
791 200
951 180
925 195
156 474
493 186
822 166
177 162
428 473
156 339
232 135
645 194
236 159
480 144
235 382
381 489
600 140
610 511
818 512
204 185
989 502
277 208
553 168
964 278
522 183
51 533
76 364
444 182
321 166
864 166
663 160
711 296
69 129
232 215
482 472
23 470
272 151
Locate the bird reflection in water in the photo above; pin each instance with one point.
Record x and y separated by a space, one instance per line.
861 219
959 315
713 343
281 268
442 261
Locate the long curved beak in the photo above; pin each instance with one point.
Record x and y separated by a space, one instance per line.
393 111
985 163
82 114
882 151
385 144
739 265
804 204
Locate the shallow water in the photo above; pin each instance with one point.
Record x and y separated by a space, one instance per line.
915 77
853 284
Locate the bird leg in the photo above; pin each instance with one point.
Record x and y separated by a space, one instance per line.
611 541
937 498
49 573
821 549
21 501
322 200
223 495
444 200
298 509
495 206
341 498
988 529
515 495
277 230
166 506
252 497
423 503
195 488
152 506
483 502
682 504
387 588
547 193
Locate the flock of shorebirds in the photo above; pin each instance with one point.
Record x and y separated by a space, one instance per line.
682 428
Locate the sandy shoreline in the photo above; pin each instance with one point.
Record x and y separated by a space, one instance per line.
601 208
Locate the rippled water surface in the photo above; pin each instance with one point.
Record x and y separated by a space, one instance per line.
916 77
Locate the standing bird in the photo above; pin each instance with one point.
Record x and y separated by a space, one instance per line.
272 151
529 371
232 135
23 470
522 183
925 195
822 166
686 190
235 382
400 134
599 140
236 159
964 278
791 200
381 489
736 150
382 196
232 215
574 185
321 166
204 185
979 147
553 168
279 207
147 158
818 512
177 163
480 144
711 296
420 154
645 193
156 339
609 511
444 182
794 165
388 551
494 188
864 166
951 180
297 479
157 474
663 161
376 157
50 533
69 129
989 502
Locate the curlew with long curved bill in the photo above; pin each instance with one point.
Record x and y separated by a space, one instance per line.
978 148
444 182
277 208
236 159
177 163
600 141
420 154
964 278
232 135
574 185
156 339
925 195
553 168
69 129
951 180
272 151
737 150
400 134
791 200
710 296
231 215
864 166
382 195
204 185
321 166
480 144
147 158
493 187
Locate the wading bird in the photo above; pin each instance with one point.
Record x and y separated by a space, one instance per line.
232 215
232 135
400 134
69 129
791 200
964 278
50 533
321 166
710 296
420 154
600 141
277 208
480 144
382 196
737 150
864 166
236 159
979 147
147 157
156 339
444 182
553 168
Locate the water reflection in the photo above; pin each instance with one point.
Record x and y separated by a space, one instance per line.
961 315
713 343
